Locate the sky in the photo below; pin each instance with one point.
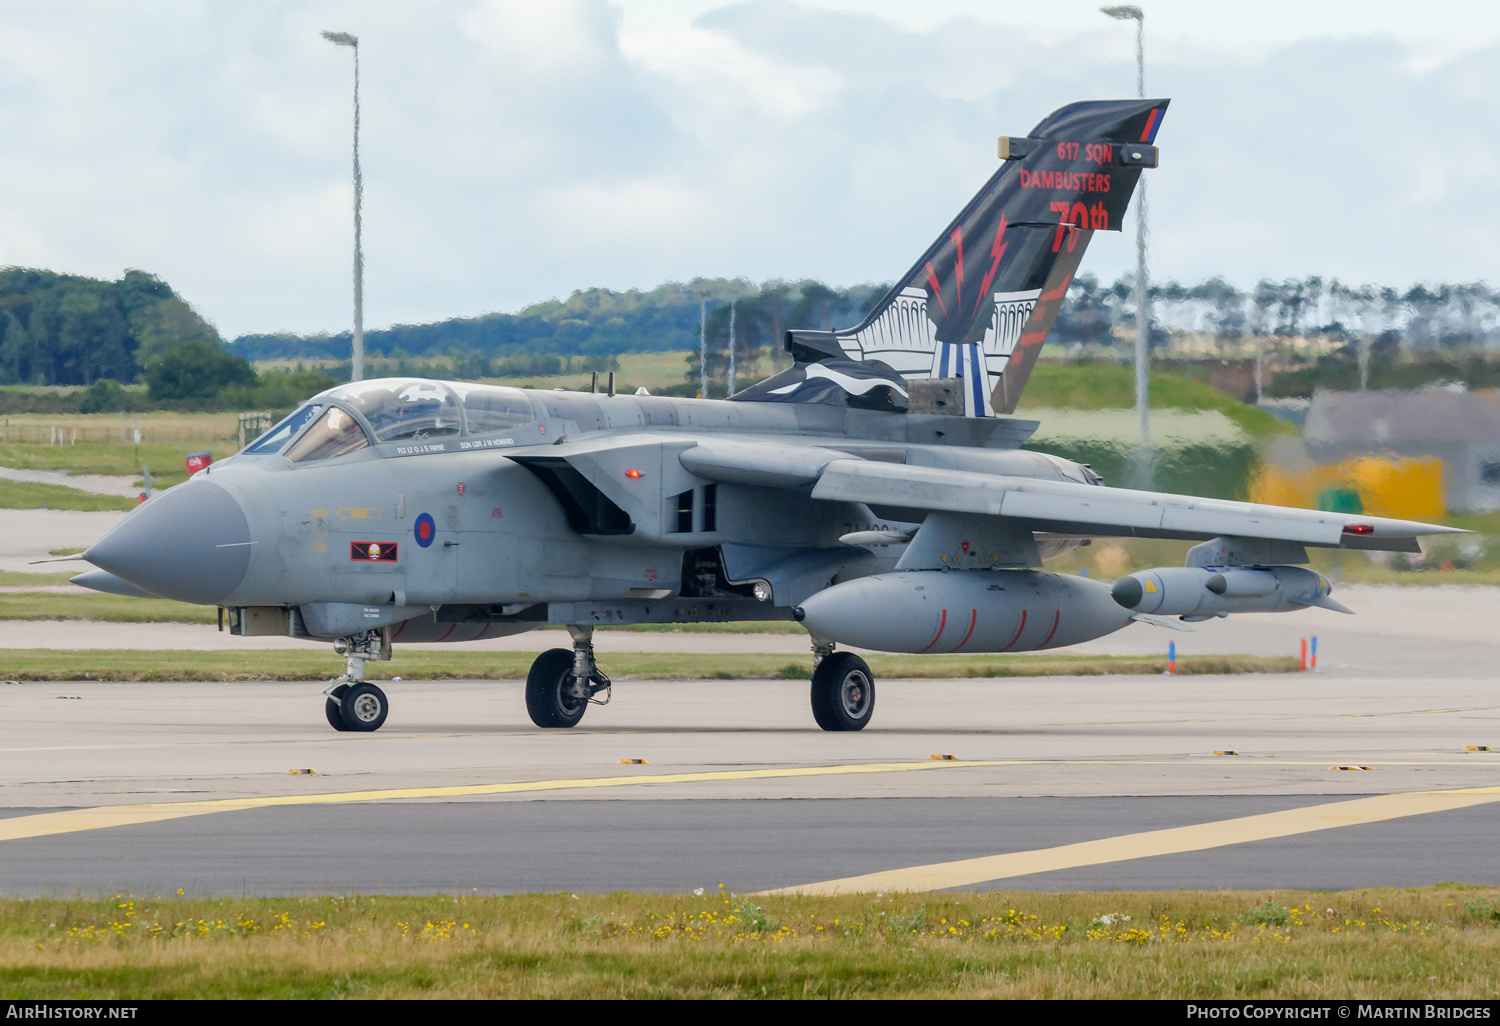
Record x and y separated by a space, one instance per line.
515 151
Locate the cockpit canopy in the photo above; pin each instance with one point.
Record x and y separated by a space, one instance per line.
352 416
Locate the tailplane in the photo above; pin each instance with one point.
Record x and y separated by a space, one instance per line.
974 309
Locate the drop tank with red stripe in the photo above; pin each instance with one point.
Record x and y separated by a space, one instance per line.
935 611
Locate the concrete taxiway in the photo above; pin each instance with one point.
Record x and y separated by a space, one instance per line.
1057 783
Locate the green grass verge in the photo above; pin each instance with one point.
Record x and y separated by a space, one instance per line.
1111 386
165 459
30 495
24 579
1414 943
318 662
106 608
122 609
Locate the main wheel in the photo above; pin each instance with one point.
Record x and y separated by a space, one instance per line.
843 692
332 709
364 707
550 695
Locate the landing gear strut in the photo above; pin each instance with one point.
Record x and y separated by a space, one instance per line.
843 689
354 703
561 684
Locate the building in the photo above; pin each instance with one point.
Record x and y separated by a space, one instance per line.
1459 428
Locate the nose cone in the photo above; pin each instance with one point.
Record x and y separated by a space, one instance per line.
191 543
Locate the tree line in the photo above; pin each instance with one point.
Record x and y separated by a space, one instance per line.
66 329
601 322
1423 316
58 329
598 323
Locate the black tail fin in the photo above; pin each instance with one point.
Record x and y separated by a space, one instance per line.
979 303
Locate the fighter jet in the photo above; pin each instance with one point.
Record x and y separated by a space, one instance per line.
876 492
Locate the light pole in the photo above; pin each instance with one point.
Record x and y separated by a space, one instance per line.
357 372
1129 12
730 390
703 345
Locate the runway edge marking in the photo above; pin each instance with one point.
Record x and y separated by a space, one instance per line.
1171 841
73 820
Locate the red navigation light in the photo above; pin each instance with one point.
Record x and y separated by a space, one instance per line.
632 472
1359 529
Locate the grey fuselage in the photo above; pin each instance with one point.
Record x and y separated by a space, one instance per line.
586 514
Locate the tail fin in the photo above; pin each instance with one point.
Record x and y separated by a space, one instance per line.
979 303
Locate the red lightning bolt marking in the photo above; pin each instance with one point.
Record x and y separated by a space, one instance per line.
1059 292
958 268
1036 338
937 291
997 250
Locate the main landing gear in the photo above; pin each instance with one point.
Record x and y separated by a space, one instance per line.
843 689
561 684
353 703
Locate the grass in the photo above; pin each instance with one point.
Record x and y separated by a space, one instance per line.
97 607
105 443
652 371
123 609
22 578
1419 943
1111 386
30 495
318 662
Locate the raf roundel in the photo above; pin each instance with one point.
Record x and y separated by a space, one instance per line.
424 530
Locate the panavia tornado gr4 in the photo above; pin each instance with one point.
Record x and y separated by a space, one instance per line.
876 493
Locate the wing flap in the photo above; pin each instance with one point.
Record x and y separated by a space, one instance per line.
1095 509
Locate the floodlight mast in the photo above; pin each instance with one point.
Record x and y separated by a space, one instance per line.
1144 455
357 365
702 345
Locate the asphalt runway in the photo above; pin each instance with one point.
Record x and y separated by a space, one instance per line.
1057 784
682 844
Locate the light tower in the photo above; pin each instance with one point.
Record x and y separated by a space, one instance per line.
357 371
1129 12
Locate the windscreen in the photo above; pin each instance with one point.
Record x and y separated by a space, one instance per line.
335 434
278 436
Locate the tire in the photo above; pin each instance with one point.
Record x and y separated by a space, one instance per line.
546 699
364 707
843 692
332 709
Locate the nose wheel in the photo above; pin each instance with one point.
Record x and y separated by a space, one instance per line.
843 692
352 703
361 707
333 707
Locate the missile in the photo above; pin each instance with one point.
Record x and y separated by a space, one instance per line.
1197 593
933 611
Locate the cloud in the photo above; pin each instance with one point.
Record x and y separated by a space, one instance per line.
515 151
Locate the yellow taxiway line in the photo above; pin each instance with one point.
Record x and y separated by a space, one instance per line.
1172 841
46 823
965 872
